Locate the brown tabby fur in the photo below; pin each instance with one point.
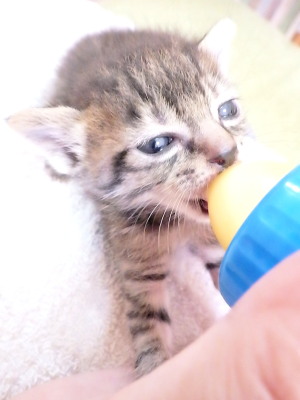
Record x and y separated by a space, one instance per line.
117 91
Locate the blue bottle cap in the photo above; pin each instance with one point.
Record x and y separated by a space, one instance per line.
269 234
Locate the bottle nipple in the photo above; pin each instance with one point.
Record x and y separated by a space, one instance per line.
234 193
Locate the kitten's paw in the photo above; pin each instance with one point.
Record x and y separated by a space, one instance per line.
148 360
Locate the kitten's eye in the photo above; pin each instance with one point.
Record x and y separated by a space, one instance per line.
156 145
228 110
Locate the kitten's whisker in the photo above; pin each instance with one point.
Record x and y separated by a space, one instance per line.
111 195
168 226
150 215
141 211
160 225
167 188
181 215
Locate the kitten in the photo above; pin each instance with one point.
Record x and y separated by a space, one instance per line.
143 121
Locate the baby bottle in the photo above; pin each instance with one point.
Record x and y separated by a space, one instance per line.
254 208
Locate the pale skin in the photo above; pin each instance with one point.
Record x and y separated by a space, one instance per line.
253 353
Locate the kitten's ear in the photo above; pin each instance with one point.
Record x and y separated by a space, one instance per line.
218 42
58 132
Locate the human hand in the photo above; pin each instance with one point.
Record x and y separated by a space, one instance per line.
252 353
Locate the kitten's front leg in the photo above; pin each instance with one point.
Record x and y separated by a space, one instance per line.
147 313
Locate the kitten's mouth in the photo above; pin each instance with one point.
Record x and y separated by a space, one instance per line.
200 204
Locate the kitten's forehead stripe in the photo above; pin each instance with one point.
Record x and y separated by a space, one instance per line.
152 64
133 113
138 87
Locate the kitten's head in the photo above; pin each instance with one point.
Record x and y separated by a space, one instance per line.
148 130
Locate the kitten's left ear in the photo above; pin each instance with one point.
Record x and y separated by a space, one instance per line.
58 132
218 42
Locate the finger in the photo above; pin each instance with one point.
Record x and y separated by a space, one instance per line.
273 306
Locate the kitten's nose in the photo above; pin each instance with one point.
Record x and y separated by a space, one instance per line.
225 159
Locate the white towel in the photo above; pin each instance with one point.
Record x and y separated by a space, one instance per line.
61 310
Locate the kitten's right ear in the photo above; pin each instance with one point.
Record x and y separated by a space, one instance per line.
217 42
59 133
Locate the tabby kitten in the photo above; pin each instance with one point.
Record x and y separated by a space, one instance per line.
143 120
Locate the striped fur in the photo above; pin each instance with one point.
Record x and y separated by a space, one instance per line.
128 88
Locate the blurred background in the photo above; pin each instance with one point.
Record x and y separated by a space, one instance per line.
284 14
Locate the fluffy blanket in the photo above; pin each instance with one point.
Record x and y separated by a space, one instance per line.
60 310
